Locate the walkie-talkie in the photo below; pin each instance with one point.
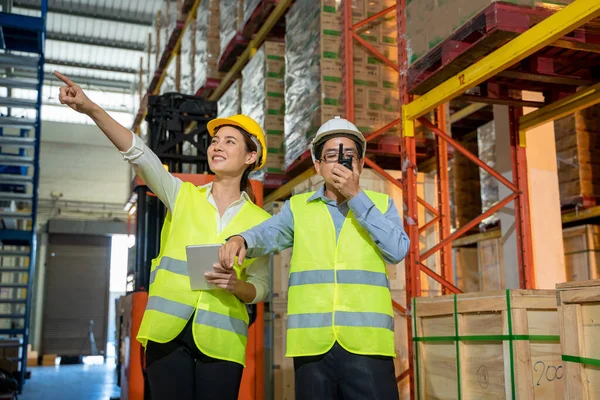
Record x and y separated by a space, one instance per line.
346 162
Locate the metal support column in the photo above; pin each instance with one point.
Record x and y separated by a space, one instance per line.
443 199
522 215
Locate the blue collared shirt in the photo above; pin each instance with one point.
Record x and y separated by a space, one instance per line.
386 230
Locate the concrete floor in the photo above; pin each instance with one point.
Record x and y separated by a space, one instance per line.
72 382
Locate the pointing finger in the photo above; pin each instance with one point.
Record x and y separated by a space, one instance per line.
64 79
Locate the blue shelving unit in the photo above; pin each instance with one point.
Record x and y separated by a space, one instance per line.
21 45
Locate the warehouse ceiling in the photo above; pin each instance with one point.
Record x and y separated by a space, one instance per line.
97 42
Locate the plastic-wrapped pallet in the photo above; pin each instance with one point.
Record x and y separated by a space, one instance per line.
206 59
168 84
263 98
486 138
313 72
249 7
232 14
430 22
186 53
230 103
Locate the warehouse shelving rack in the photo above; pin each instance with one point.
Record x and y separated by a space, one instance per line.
547 32
22 42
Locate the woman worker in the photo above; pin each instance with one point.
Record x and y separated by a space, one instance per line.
195 340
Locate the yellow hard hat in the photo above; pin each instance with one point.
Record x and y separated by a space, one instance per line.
250 126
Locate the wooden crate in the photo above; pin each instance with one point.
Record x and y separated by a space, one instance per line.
283 367
479 265
582 252
280 273
579 312
496 345
401 344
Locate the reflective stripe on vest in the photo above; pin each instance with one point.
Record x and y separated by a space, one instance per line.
356 277
220 321
172 265
342 318
170 307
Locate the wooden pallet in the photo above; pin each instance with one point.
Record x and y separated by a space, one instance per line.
580 201
494 27
579 305
208 88
488 345
234 49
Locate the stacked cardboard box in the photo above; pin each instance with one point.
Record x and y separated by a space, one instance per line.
430 22
283 367
313 91
280 263
230 103
582 252
577 149
206 59
263 98
232 18
376 93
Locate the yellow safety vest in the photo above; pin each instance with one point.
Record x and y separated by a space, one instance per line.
220 326
337 292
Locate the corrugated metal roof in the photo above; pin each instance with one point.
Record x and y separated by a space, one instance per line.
73 25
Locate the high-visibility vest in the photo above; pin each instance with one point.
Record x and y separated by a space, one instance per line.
337 291
220 325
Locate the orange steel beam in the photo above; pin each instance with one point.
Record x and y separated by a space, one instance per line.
409 193
373 18
458 233
403 375
522 215
382 172
398 307
427 271
428 206
443 197
348 64
375 52
381 130
429 224
468 154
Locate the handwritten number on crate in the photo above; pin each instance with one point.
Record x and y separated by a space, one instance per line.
550 373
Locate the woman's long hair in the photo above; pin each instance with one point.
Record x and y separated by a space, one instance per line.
250 147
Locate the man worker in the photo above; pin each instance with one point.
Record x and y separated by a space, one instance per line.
340 318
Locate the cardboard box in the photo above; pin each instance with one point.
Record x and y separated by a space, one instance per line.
283 368
275 141
281 271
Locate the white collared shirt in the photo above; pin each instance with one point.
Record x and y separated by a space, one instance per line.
166 187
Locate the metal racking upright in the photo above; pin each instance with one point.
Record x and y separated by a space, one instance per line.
552 29
22 41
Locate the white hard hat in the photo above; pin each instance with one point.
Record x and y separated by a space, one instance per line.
337 125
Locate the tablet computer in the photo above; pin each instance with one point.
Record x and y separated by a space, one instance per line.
200 259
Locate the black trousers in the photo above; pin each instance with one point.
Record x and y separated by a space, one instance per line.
339 374
179 370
